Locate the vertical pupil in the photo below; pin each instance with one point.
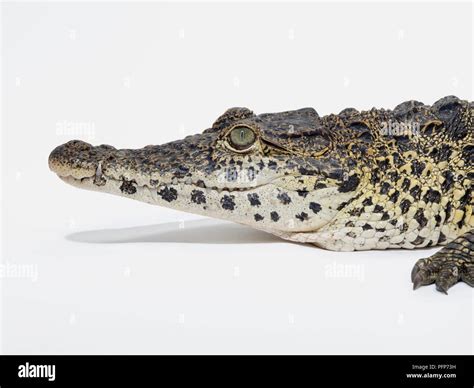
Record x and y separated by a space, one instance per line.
242 135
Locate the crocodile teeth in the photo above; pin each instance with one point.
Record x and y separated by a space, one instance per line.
98 177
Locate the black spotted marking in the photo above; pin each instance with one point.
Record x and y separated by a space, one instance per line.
405 206
448 210
432 196
251 173
383 164
415 192
302 193
380 230
254 199
302 216
284 198
231 174
397 159
367 227
320 185
375 176
420 218
393 175
385 188
169 194
272 165
315 207
465 199
418 241
198 197
350 184
385 216
367 202
406 184
274 216
434 153
378 209
394 196
356 212
227 202
128 187
448 180
417 167
258 217
200 184
350 224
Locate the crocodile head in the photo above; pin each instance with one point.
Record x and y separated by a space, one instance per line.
279 172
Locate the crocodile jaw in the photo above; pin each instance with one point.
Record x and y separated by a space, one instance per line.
231 205
267 203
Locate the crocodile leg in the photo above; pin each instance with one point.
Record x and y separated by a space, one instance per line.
453 263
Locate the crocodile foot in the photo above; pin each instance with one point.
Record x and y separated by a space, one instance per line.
453 263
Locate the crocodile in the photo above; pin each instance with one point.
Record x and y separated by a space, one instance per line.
357 180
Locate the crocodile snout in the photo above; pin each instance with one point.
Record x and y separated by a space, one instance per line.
78 159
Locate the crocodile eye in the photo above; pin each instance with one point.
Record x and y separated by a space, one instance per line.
241 137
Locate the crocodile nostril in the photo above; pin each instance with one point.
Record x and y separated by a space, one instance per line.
74 156
77 145
107 147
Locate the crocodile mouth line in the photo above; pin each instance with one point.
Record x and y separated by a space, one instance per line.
97 180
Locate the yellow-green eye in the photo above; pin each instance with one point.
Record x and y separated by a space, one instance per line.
241 137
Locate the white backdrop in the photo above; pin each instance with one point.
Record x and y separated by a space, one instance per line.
84 272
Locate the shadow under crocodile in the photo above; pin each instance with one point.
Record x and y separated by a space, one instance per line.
193 231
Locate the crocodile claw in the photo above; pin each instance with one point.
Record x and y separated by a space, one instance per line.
444 271
442 288
417 282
